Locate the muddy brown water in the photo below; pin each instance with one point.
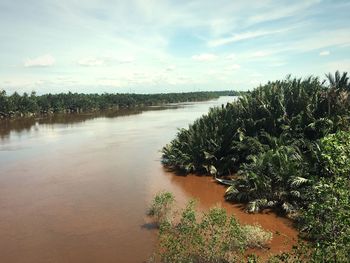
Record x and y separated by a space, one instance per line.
76 188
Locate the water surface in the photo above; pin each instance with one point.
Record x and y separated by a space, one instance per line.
75 188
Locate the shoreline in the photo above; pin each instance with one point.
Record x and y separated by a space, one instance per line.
285 235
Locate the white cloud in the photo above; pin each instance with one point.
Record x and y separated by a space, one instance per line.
323 39
106 59
109 82
40 82
231 56
42 61
324 53
255 82
126 59
278 64
282 11
233 67
170 68
204 57
320 40
90 62
260 54
239 37
341 65
213 72
257 75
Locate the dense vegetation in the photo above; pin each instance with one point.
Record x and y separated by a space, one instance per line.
18 105
288 144
210 237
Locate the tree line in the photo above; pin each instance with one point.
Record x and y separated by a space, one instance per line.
32 104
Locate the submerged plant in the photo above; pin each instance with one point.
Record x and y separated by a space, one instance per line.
255 236
161 207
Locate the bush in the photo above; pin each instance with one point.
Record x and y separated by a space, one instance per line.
161 207
326 220
209 237
255 236
335 154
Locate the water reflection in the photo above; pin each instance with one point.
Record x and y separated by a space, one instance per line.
26 124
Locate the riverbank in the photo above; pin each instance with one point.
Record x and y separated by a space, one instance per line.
288 143
210 194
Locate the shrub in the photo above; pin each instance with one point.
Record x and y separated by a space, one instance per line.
161 207
212 236
255 236
335 154
326 220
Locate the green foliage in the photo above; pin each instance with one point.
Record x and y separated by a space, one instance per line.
178 242
335 154
300 253
255 237
210 237
326 221
161 207
271 137
273 178
290 144
17 105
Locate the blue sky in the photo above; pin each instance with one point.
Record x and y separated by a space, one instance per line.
148 46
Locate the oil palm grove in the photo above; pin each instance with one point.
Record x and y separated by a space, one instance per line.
286 146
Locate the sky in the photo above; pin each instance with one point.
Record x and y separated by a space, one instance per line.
156 46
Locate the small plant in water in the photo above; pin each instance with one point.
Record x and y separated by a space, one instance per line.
161 207
255 236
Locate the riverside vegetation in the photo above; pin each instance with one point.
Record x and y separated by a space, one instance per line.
188 236
31 104
287 146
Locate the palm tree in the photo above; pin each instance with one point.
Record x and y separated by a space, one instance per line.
269 136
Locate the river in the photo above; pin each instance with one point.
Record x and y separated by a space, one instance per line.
75 188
